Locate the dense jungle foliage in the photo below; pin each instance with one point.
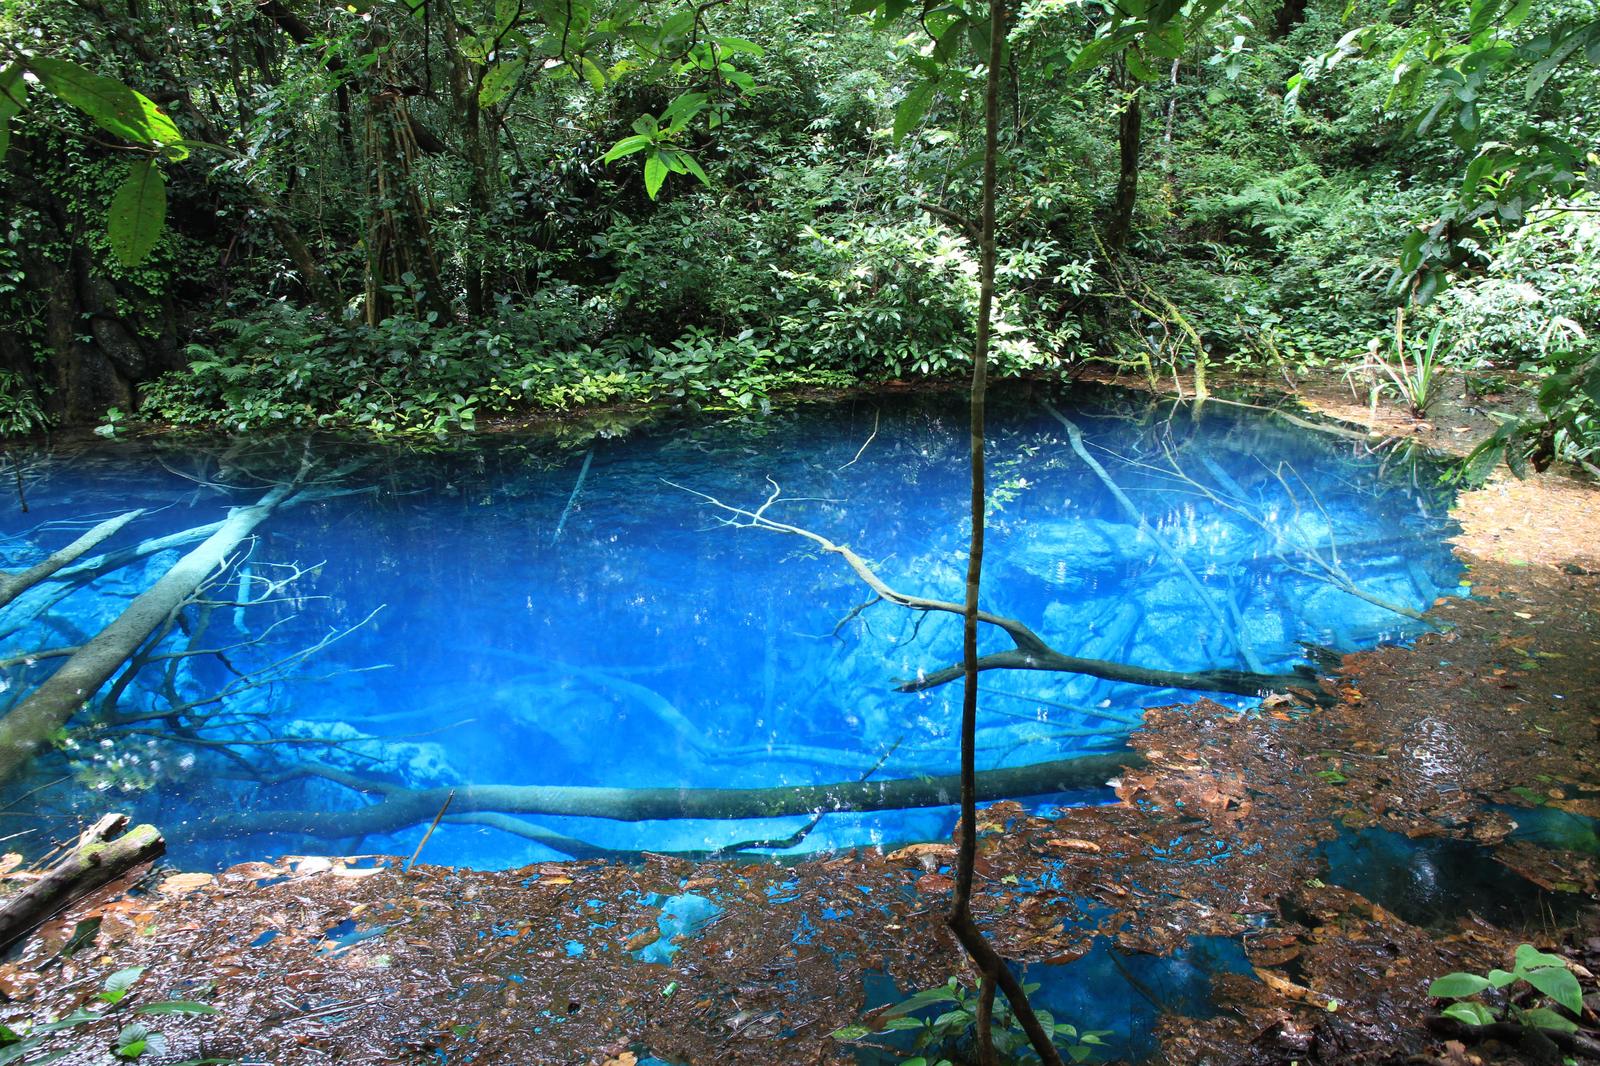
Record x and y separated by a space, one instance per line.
405 215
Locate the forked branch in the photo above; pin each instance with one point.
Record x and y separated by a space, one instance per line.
1031 651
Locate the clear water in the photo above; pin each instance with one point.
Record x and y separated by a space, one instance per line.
622 634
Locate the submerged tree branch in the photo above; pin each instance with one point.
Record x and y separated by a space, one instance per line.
45 710
400 807
14 585
1031 651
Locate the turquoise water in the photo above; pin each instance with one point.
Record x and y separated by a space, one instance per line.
551 609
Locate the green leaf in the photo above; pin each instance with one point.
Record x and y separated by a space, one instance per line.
1469 1013
740 45
176 1006
655 172
1530 958
1457 986
626 146
112 105
695 168
137 217
77 1017
13 96
1499 978
132 1041
117 984
593 74
1545 1018
1559 985
909 114
851 1032
499 81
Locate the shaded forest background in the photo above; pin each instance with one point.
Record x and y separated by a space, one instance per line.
403 218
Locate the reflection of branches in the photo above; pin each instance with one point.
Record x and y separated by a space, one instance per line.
1236 631
1319 562
1031 652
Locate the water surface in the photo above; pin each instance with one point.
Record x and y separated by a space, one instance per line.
562 609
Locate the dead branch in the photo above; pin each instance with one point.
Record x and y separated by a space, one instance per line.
13 585
1031 651
400 807
96 860
57 699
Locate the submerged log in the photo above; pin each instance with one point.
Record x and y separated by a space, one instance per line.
15 584
96 860
45 710
401 807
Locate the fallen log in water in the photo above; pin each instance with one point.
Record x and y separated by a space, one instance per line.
96 860
48 707
15 584
401 807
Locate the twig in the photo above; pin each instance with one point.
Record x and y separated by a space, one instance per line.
423 842
583 473
862 451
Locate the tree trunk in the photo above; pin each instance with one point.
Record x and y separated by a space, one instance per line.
402 807
1128 175
14 585
990 965
1290 14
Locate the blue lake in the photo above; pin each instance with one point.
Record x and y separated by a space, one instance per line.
559 609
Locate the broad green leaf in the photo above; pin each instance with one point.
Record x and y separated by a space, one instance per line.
1558 984
77 1017
1544 68
13 97
902 1022
593 74
137 217
740 45
945 993
695 169
1499 978
117 984
655 172
132 1041
1469 1013
1530 958
1457 986
626 146
499 81
112 105
1545 1018
176 1006
909 114
14 1051
851 1032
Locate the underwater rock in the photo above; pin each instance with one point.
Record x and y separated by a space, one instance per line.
417 764
1066 554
